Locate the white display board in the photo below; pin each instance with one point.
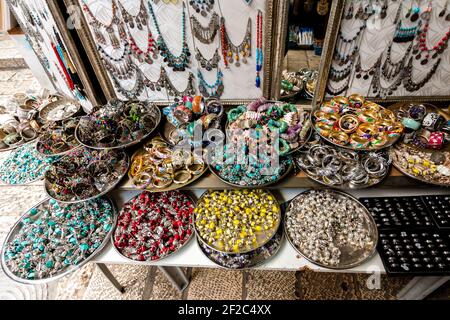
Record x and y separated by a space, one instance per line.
239 82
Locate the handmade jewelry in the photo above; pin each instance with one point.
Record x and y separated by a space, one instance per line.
24 165
202 7
391 69
59 110
53 238
330 228
208 90
237 221
211 64
259 48
408 81
180 62
172 90
152 226
232 53
118 124
58 138
137 89
85 174
206 34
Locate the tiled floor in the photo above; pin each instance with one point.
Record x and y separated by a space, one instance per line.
149 283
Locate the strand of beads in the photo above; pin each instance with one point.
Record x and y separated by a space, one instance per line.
259 48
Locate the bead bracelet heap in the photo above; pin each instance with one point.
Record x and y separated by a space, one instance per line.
153 226
118 124
237 221
357 124
53 238
85 173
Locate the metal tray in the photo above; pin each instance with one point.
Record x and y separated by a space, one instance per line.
254 258
172 187
49 107
270 234
128 144
57 154
107 190
13 231
350 261
150 262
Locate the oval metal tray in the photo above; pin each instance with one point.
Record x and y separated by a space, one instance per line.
128 144
268 237
13 231
150 262
254 258
49 107
104 192
350 261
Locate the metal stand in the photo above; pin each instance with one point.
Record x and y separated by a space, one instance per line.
104 269
420 287
175 275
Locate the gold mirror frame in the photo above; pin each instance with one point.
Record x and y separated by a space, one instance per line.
334 25
272 23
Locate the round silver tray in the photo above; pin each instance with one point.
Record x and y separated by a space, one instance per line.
49 107
169 255
13 231
349 260
390 142
255 259
412 176
269 236
129 144
107 190
284 175
23 184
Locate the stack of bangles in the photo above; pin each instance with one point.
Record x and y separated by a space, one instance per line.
192 113
343 168
85 173
118 124
356 123
58 138
288 122
160 166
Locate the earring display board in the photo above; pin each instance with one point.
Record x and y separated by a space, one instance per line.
161 50
388 50
46 39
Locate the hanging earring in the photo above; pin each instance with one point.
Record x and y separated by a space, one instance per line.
349 14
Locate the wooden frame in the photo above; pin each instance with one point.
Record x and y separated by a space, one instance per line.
334 26
275 9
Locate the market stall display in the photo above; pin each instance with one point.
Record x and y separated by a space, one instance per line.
236 221
331 229
52 240
158 167
59 110
25 165
153 226
85 174
357 124
58 138
118 125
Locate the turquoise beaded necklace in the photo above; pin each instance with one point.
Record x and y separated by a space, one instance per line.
178 63
208 90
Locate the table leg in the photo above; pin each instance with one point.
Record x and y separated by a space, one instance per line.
420 287
176 276
104 269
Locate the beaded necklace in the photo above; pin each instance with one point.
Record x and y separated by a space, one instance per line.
178 63
231 52
208 64
408 82
137 89
207 34
259 48
173 91
208 90
202 7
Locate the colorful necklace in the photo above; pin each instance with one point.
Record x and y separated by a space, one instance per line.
202 7
208 90
259 48
208 64
231 52
207 34
178 63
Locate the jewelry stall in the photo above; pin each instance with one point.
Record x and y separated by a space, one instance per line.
370 122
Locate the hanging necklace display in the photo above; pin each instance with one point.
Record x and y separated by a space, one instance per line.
97 25
202 7
121 67
408 82
207 90
173 91
137 89
207 34
259 48
322 7
381 91
154 85
421 49
365 74
208 64
339 75
177 63
231 53
347 48
339 91
391 69
140 20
